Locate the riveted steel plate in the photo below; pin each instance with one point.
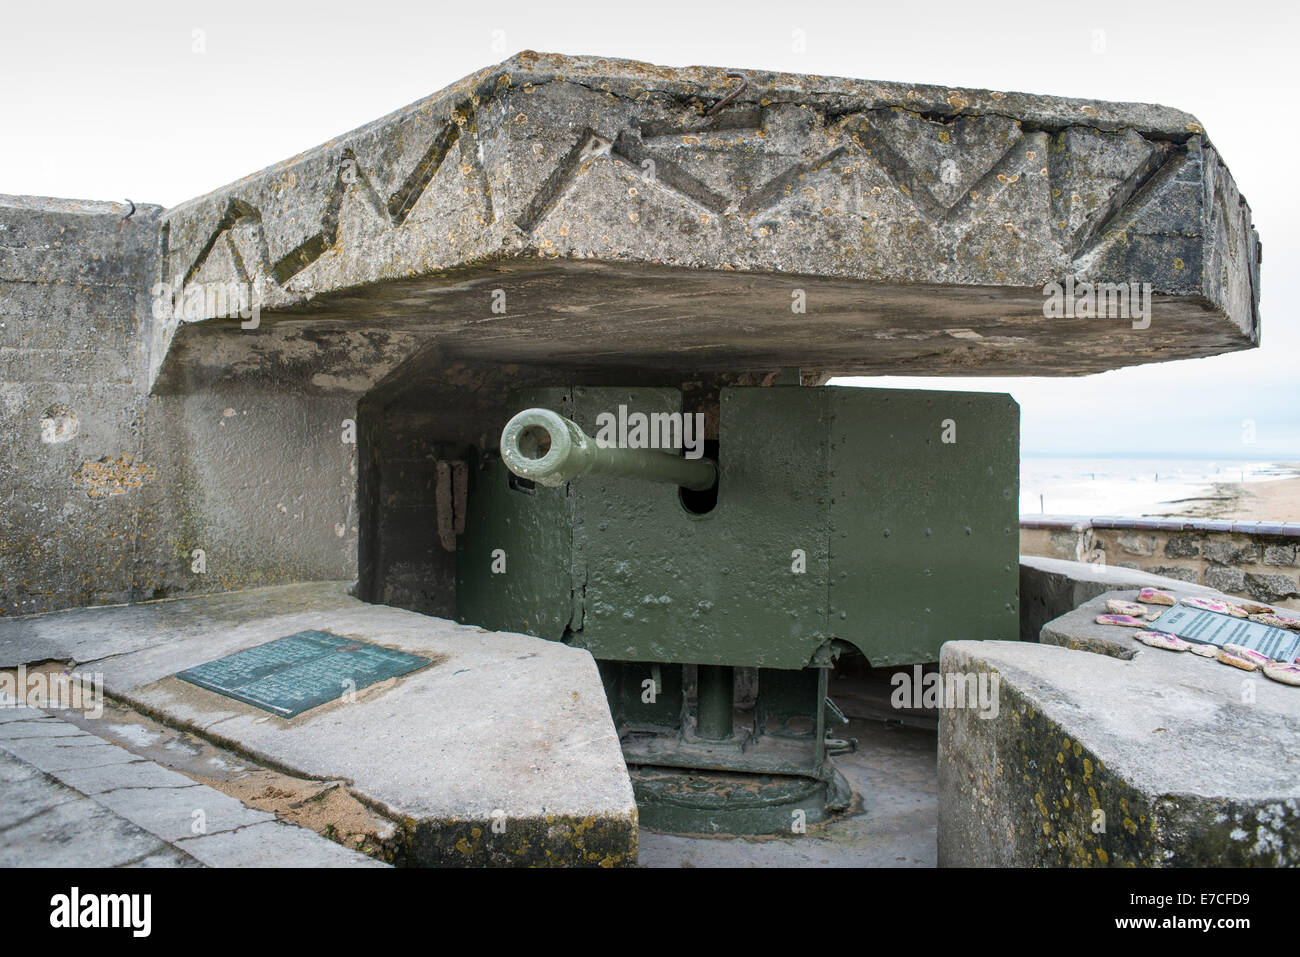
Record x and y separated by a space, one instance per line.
289 675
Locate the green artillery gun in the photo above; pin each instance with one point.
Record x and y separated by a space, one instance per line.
819 521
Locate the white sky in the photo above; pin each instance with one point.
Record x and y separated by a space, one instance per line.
109 100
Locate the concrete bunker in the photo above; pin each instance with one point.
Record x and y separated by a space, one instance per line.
580 229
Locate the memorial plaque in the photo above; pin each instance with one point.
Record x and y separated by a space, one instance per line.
289 675
1213 628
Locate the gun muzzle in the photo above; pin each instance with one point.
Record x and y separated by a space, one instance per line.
547 448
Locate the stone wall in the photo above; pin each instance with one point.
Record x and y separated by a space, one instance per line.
1255 560
106 490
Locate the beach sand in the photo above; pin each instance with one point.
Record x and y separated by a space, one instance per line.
1277 501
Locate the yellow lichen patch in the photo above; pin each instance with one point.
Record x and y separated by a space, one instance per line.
1178 263
113 476
1103 856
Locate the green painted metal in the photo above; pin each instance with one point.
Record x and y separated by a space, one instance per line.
884 519
924 511
715 702
664 584
292 674
545 447
513 561
637 702
841 513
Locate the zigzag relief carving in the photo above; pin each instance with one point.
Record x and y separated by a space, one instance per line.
349 172
1123 219
403 199
1122 162
629 148
936 163
589 146
947 166
236 210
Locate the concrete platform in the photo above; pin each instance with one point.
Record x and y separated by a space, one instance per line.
68 798
501 752
1163 759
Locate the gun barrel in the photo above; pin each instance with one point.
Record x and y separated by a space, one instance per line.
544 446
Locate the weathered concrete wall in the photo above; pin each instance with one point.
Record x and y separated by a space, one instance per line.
1256 560
264 484
74 279
107 491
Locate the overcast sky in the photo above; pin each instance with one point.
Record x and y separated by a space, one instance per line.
113 100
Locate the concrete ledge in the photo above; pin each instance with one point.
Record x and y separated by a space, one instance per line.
1161 760
1050 587
586 180
501 752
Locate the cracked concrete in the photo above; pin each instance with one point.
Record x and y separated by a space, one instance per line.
129 811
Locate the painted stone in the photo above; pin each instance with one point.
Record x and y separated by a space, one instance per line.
1245 664
1277 621
1158 639
1207 604
1240 651
1153 596
1252 609
1203 650
1128 621
1287 672
1125 608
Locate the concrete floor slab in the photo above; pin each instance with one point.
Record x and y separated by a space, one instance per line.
501 751
46 824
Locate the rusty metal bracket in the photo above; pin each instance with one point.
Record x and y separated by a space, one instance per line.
730 97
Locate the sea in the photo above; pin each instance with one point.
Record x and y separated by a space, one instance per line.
1106 485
